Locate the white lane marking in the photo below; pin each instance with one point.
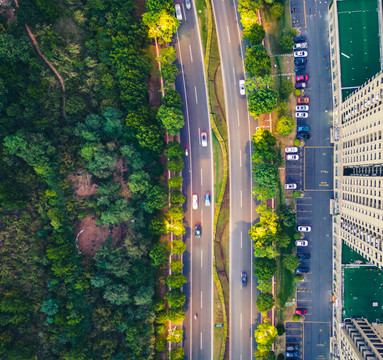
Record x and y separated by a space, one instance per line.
196 98
238 116
201 213
240 357
240 322
201 178
201 299
241 238
240 158
201 257
200 340
241 198
191 55
228 33
183 8
234 75
199 135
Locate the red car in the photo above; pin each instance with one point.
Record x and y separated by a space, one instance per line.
300 311
301 78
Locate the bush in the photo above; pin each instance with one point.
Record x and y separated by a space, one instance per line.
297 92
286 43
281 329
296 194
298 277
286 89
296 317
281 357
297 142
297 236
285 125
277 10
293 32
265 302
175 182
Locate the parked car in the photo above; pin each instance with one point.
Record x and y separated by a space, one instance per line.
298 68
188 6
203 139
244 278
302 128
302 270
292 354
292 157
301 115
303 135
301 243
303 256
304 228
300 61
299 39
242 87
207 199
195 201
303 100
302 78
302 45
292 347
300 311
178 12
292 149
290 186
302 108
300 53
300 85
197 230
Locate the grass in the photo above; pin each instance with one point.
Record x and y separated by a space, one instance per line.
218 171
202 20
218 331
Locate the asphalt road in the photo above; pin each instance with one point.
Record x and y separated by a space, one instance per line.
243 312
198 179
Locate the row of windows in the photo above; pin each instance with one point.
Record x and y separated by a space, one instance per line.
364 139
362 200
366 212
359 190
352 119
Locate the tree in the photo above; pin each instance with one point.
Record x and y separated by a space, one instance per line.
172 119
172 99
177 198
277 10
178 247
50 307
139 182
286 89
286 42
175 182
168 73
156 198
248 10
285 125
13 50
282 239
159 254
255 33
177 228
175 281
265 285
290 262
264 355
159 5
175 164
176 315
158 225
176 266
177 353
264 146
176 213
174 149
265 333
257 61
175 336
161 25
267 177
265 302
264 268
287 217
262 102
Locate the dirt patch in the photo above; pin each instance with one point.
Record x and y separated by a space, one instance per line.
83 183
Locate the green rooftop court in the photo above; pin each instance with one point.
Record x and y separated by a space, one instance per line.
350 256
358 42
363 293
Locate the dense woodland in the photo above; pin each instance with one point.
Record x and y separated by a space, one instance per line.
56 303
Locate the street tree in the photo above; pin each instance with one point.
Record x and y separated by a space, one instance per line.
255 33
178 247
176 212
176 266
286 89
257 61
177 198
265 333
176 315
175 336
277 10
175 281
286 43
175 182
175 164
285 125
172 119
290 262
172 99
262 102
264 268
159 254
161 25
173 149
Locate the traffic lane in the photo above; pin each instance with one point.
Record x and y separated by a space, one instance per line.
318 168
316 338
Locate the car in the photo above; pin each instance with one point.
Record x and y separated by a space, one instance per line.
303 135
302 108
301 115
292 149
300 53
292 347
304 228
299 68
302 45
299 39
302 78
203 139
197 230
188 6
178 12
302 128
300 311
300 61
301 243
302 270
242 90
303 256
207 199
292 157
292 354
244 278
195 201
290 186
303 100
300 85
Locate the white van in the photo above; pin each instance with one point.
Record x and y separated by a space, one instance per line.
178 12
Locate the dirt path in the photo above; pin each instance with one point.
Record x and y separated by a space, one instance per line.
58 76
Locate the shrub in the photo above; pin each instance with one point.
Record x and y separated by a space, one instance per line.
277 10
285 125
281 329
297 236
286 43
286 89
175 182
297 92
293 32
296 194
296 317
297 142
298 277
280 357
265 302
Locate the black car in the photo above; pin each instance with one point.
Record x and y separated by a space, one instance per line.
244 278
197 230
299 39
303 256
298 68
302 270
303 135
300 61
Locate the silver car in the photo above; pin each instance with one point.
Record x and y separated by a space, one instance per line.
290 186
242 87
304 228
187 4
300 53
302 108
178 12
301 115
292 149
293 157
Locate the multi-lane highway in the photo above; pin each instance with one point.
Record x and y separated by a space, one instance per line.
243 312
198 179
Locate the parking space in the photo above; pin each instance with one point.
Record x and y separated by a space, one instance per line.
298 13
318 177
294 336
294 171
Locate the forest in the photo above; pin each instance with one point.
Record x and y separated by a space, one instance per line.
82 183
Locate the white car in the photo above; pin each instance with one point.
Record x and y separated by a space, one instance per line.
195 201
302 108
300 53
178 12
300 46
301 243
304 228
242 87
290 186
301 115
203 139
292 157
188 5
292 149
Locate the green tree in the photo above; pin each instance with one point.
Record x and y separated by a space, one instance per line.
265 334
14 50
265 285
158 225
286 89
175 281
248 10
177 198
290 262
176 315
286 42
265 302
267 177
277 10
175 336
159 254
173 150
161 25
172 99
177 353
264 143
176 213
175 164
265 355
178 247
285 125
257 61
139 182
262 102
176 266
50 307
172 119
175 182
156 198
264 268
255 33
116 213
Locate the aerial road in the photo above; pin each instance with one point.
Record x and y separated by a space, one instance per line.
198 180
243 312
